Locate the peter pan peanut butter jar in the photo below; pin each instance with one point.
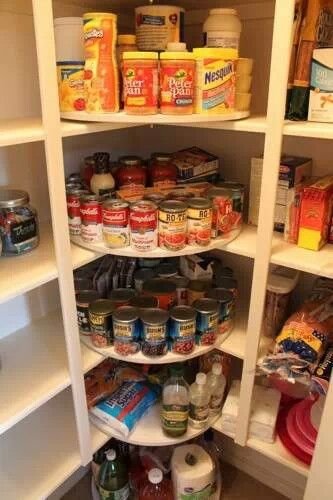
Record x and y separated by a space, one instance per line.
140 79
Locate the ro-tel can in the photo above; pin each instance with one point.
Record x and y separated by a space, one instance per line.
100 317
222 211
142 275
172 223
237 192
126 330
207 321
143 226
181 283
143 302
91 218
197 290
121 296
226 302
199 221
163 290
115 218
167 270
182 329
83 300
154 332
73 209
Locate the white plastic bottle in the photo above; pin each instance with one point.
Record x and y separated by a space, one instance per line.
222 28
199 402
216 382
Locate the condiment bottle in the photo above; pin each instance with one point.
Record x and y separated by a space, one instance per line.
156 487
199 402
162 171
113 477
102 182
175 403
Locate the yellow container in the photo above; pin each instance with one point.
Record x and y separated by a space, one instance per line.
71 86
215 80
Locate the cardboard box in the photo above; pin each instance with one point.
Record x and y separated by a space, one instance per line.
321 86
198 189
194 162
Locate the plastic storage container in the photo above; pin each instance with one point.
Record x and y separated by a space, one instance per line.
68 34
281 283
199 402
222 28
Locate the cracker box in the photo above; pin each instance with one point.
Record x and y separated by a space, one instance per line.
321 86
316 214
195 162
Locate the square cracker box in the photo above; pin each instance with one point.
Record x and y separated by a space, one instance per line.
321 86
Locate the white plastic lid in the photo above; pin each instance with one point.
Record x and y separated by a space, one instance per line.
155 476
176 47
68 20
111 454
282 280
217 368
201 378
223 12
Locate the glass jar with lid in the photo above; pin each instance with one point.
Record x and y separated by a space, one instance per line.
163 172
131 175
18 223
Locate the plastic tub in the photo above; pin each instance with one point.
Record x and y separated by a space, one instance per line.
243 83
68 34
243 101
222 28
244 66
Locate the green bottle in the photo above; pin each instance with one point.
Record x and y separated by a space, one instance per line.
113 478
175 403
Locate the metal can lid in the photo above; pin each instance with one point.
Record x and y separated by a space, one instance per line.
144 205
233 186
72 186
143 302
226 283
121 294
10 198
181 195
199 285
74 177
159 286
90 197
126 314
199 203
86 297
183 313
174 206
206 305
163 157
156 198
130 160
78 191
115 204
219 191
220 294
167 270
145 273
180 281
102 306
154 316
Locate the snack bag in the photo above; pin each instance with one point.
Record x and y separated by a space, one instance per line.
100 382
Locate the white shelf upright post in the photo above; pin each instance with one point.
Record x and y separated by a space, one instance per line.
281 46
43 21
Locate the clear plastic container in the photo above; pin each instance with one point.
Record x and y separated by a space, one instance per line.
216 382
199 402
222 28
156 487
175 403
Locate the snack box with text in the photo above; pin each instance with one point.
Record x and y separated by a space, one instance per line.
195 162
198 189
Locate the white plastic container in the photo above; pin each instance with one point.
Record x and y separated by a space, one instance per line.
222 28
216 383
68 33
199 402
281 282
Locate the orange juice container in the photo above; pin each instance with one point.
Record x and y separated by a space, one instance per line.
100 71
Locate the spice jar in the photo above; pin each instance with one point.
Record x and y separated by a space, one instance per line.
131 176
18 223
177 80
163 172
140 78
102 182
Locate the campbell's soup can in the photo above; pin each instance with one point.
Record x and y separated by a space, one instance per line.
115 218
73 210
91 218
143 226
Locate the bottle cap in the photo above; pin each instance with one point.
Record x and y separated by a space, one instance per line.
155 476
176 47
217 368
201 378
111 454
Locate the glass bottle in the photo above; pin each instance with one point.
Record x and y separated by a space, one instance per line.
102 182
113 478
199 402
175 403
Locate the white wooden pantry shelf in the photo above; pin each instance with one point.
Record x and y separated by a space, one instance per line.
38 454
34 367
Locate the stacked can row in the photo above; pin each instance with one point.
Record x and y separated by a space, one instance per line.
144 225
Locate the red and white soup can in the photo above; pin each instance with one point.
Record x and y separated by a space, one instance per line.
143 226
91 218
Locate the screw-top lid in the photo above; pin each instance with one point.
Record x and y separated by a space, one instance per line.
201 378
220 11
10 198
217 368
130 160
102 161
177 55
111 454
155 476
176 47
140 55
176 370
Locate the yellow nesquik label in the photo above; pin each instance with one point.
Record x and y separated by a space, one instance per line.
215 90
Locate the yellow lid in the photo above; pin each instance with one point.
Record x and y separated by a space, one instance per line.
100 14
140 55
215 53
177 55
126 40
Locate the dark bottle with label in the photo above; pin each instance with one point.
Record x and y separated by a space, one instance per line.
102 182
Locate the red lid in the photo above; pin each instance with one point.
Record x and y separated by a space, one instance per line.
296 434
289 444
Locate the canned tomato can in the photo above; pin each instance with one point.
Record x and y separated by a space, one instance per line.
182 329
197 290
126 330
222 211
83 300
144 302
172 223
142 275
163 290
115 218
121 296
199 221
91 218
100 317
73 209
207 321
154 332
181 283
143 226
226 301
237 193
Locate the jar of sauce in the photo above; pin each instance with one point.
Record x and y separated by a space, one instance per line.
131 176
102 182
163 172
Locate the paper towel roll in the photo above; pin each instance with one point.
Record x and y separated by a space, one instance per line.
192 472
